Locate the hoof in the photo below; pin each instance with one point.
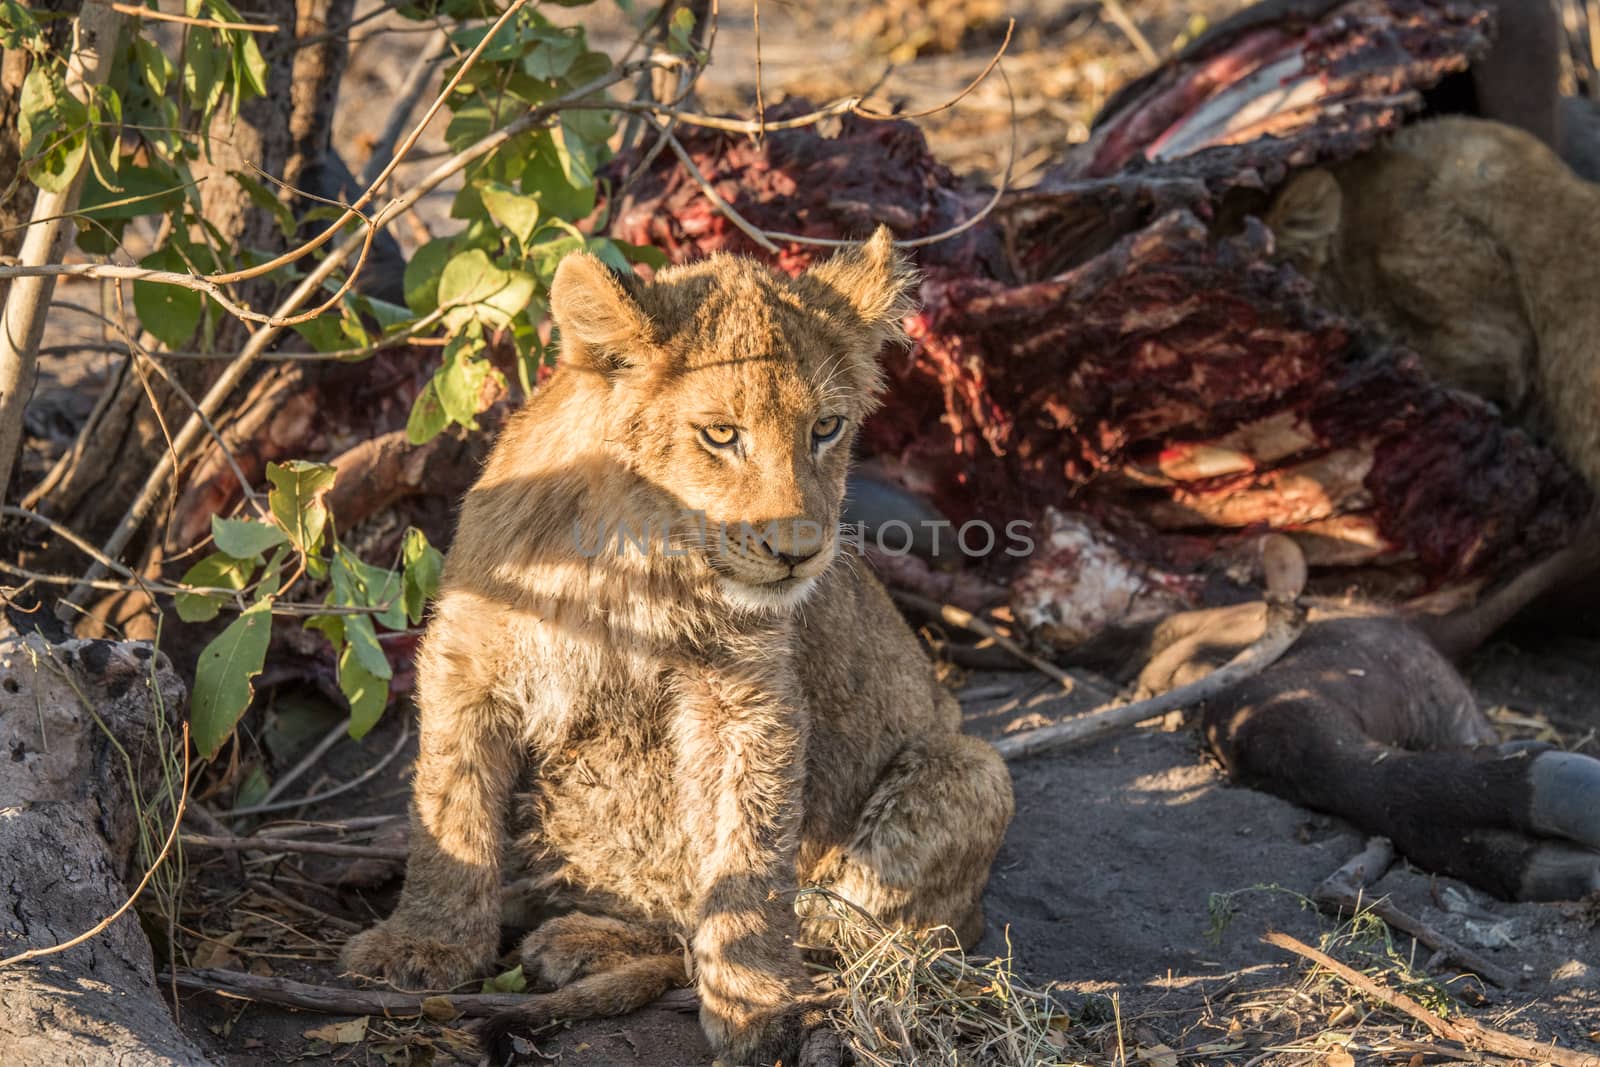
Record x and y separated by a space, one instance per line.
1565 797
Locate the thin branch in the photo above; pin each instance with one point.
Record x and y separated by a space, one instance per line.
1130 29
750 229
966 620
278 844
328 794
1464 1031
406 97
161 857
994 61
953 231
27 304
334 1000
187 20
1285 622
411 139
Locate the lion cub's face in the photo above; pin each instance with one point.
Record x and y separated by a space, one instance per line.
735 392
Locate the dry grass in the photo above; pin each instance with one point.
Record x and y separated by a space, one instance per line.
915 1000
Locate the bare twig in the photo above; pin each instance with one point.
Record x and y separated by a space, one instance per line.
333 1000
27 304
1285 570
1285 622
328 794
1468 1032
1343 890
966 620
1130 29
150 872
748 228
406 97
335 734
285 844
187 20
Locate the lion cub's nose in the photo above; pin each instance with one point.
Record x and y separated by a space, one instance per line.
790 559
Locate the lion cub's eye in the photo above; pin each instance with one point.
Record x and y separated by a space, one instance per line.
826 429
720 436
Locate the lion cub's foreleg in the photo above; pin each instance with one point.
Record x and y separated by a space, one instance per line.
739 741
446 928
923 844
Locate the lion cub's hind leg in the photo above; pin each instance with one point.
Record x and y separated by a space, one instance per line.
572 946
599 967
920 854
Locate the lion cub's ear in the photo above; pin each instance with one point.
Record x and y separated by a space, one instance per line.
1305 219
876 282
597 311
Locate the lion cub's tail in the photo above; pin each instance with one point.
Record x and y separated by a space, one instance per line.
618 991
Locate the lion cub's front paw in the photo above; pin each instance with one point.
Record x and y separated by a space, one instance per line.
766 1039
406 957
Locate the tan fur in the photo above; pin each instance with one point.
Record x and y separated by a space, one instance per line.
1472 243
690 735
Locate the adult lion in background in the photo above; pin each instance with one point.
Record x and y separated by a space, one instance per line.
1473 243
705 713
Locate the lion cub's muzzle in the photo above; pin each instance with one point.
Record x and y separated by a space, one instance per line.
779 555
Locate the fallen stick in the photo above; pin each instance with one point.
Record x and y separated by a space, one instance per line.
1285 569
966 620
1285 622
337 1000
287 844
1463 1031
1343 890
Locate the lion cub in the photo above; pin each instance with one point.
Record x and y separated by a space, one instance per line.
644 632
1471 242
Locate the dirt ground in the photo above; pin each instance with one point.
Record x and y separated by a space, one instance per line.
1135 883
1123 856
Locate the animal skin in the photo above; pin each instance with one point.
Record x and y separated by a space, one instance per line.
1468 241
680 736
1364 718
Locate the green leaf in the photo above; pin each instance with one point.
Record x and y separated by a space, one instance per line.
262 197
152 190
207 65
472 287
52 127
427 419
680 33
422 275
253 790
423 565
646 254
544 177
459 383
223 680
357 583
575 154
362 638
511 981
296 500
245 538
217 571
367 693
171 312
324 333
517 213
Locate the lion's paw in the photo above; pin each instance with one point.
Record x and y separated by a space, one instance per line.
408 958
567 947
